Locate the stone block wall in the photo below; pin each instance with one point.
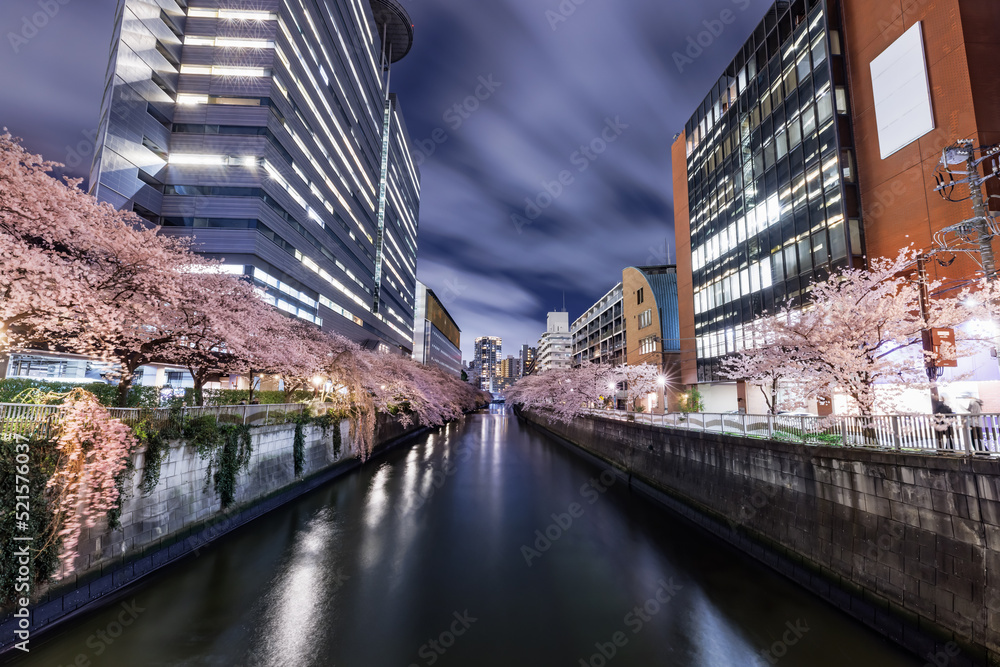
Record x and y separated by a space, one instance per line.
908 543
185 495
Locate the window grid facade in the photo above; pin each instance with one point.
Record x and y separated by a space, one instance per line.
771 195
272 131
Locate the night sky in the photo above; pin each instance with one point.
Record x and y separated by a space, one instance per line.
551 76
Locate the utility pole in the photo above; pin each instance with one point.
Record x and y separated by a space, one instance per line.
975 235
926 333
983 231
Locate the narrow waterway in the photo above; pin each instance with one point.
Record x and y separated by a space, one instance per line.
430 556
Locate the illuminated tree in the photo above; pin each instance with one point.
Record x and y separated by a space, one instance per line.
92 449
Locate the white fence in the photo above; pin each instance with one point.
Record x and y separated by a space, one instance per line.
38 420
969 434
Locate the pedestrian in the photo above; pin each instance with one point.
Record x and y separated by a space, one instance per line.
976 423
942 425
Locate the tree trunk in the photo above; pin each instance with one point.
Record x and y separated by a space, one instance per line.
250 397
198 376
124 385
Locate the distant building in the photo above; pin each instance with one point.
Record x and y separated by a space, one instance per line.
487 361
598 336
436 336
510 368
555 346
528 356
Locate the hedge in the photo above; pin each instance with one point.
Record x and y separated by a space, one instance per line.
107 394
234 396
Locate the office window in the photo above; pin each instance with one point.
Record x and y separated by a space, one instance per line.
645 318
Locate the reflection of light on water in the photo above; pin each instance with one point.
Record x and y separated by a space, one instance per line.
411 472
377 502
299 598
714 640
376 510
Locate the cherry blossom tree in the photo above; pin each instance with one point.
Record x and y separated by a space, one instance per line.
636 380
860 335
765 364
565 395
92 449
215 311
78 275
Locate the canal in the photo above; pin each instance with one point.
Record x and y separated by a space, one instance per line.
483 543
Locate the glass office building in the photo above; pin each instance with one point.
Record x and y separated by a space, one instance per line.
268 132
772 202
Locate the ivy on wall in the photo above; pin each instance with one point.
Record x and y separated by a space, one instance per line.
40 457
227 448
299 447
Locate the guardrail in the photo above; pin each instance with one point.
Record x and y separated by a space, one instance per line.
38 420
969 434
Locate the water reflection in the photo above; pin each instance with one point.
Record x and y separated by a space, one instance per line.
301 593
369 569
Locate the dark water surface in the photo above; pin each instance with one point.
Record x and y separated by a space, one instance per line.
417 559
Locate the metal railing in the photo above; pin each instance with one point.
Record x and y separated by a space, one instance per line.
38 420
968 434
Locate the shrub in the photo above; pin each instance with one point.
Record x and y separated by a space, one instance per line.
107 394
214 397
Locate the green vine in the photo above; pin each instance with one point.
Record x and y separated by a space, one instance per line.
123 482
226 447
157 449
330 420
299 448
44 556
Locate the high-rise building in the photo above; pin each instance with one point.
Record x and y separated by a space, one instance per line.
528 356
269 133
489 352
598 336
555 347
510 367
766 198
510 372
436 336
816 148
